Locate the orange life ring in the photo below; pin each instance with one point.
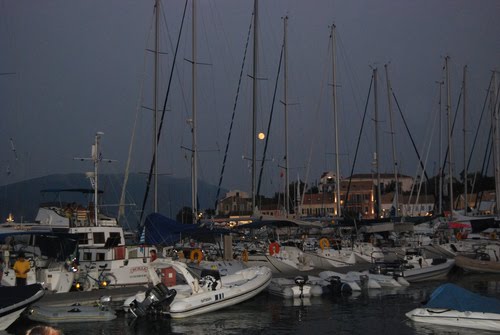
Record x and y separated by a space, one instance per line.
196 254
324 243
274 248
244 256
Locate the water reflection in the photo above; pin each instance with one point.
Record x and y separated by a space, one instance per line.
379 311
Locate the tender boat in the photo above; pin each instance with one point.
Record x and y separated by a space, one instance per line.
415 267
14 300
297 287
73 313
451 305
486 260
195 295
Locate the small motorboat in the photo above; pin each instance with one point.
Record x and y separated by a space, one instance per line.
73 313
486 260
15 299
451 305
334 285
192 295
298 287
415 267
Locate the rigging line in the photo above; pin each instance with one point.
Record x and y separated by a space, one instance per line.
234 112
357 144
430 137
411 137
479 123
314 137
452 129
270 121
121 207
486 159
163 114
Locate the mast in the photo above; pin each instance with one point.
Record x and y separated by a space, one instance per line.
376 160
448 113
96 158
440 203
335 117
155 106
254 99
285 102
389 104
496 140
465 141
194 156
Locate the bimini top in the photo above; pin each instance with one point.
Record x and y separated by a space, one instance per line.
454 297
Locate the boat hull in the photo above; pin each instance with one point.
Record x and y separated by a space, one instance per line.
15 300
214 300
68 314
477 265
446 317
433 272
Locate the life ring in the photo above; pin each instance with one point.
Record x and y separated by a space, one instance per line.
459 236
244 256
274 248
324 243
196 254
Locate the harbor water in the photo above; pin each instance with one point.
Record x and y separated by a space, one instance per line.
373 312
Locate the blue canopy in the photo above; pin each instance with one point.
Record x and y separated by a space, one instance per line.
454 297
160 230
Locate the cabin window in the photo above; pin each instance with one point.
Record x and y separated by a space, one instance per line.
99 238
87 256
116 237
83 238
100 256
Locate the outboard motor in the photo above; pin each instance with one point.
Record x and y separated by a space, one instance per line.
300 281
156 299
363 279
338 288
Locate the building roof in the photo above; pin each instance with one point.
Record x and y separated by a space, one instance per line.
382 175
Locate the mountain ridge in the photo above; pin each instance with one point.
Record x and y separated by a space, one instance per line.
23 198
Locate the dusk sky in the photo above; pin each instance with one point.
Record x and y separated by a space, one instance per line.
72 68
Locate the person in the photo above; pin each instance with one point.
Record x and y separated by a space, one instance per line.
21 267
153 255
43 330
2 268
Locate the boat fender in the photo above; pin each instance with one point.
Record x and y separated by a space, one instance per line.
274 248
324 243
196 254
459 236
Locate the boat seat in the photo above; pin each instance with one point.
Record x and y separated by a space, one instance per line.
210 272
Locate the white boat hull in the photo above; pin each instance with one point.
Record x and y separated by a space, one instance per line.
214 300
432 272
287 288
68 314
445 317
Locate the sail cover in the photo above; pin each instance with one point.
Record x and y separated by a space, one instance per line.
454 297
160 230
